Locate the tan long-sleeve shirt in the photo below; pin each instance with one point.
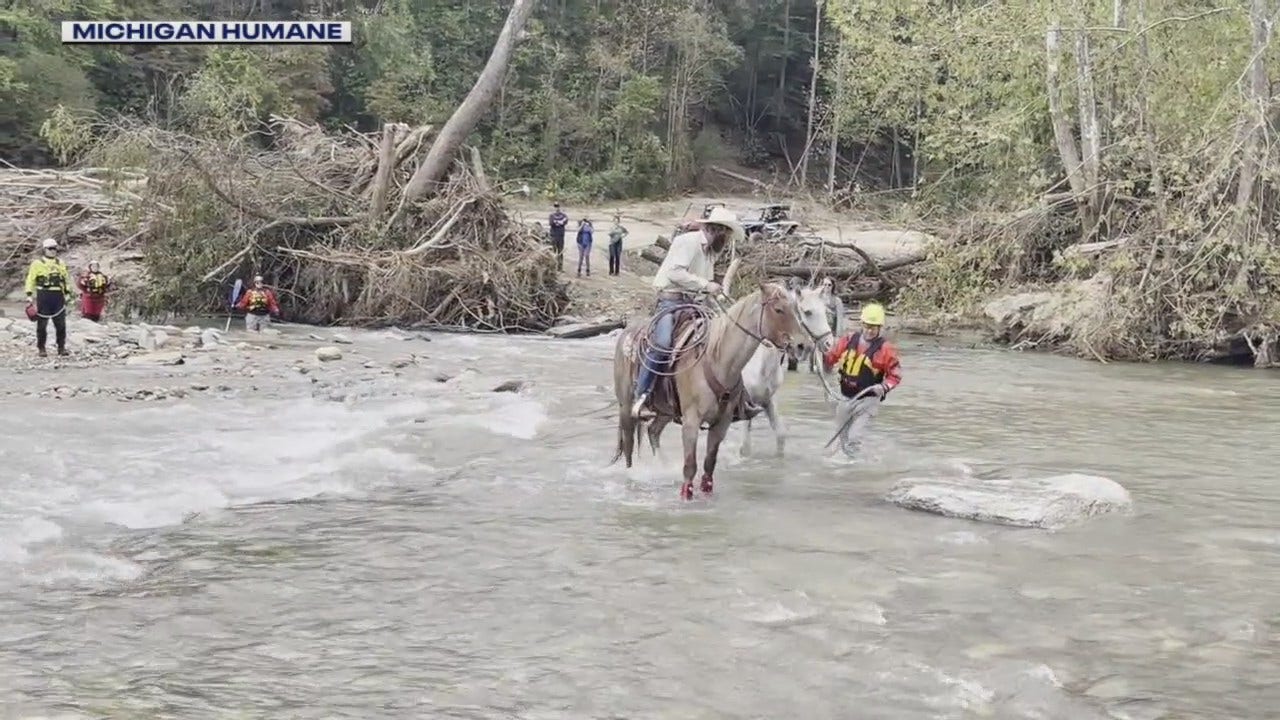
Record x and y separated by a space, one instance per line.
688 266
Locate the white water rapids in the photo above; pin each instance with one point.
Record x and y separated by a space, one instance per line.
450 552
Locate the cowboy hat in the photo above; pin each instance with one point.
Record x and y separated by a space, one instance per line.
725 218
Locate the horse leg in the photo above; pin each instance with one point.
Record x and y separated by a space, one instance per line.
775 422
715 436
689 433
746 440
655 433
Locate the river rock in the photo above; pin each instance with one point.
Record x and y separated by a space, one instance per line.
511 386
340 339
328 353
144 338
171 357
161 338
1048 503
210 338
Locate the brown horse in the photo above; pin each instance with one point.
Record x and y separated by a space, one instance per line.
707 388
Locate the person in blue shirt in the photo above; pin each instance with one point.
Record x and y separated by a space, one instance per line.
584 246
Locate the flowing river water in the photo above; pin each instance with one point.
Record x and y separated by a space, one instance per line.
450 552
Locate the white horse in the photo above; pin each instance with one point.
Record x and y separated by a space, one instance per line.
835 315
767 368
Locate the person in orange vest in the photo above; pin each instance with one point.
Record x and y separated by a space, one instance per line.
869 368
258 304
93 286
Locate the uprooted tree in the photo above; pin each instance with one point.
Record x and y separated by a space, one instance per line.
349 227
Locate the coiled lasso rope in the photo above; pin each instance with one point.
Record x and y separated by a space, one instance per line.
697 340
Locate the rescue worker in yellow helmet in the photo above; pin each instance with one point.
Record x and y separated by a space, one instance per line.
259 304
48 289
869 369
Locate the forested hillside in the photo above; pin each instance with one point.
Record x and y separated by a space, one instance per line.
1138 130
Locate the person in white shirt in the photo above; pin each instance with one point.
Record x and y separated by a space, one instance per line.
687 269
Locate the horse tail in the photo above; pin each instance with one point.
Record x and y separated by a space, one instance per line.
628 433
622 433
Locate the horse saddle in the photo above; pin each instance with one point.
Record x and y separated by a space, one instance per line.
664 399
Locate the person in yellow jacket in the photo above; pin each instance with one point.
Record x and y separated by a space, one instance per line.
48 291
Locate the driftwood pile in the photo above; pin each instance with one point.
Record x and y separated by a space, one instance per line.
88 205
323 217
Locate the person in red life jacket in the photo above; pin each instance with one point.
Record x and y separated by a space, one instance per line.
93 286
258 304
869 369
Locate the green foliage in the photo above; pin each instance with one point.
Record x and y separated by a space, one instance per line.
229 95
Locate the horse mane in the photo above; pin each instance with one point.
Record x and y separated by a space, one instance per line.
721 325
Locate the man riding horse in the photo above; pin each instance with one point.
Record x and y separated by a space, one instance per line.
688 269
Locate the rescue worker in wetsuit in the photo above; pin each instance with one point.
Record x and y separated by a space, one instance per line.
48 290
869 369
686 270
258 304
93 292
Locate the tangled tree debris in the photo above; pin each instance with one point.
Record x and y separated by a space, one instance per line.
858 276
323 218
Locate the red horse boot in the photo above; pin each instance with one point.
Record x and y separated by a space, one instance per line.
686 490
708 485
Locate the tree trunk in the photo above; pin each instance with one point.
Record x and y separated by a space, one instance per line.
1258 86
780 96
391 133
1062 134
1144 117
813 91
1090 148
467 115
833 151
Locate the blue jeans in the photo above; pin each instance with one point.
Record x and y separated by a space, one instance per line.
659 350
615 257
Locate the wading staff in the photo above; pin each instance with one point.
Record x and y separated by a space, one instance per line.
235 297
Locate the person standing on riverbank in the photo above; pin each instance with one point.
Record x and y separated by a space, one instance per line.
93 286
557 221
616 234
259 304
48 289
869 369
586 235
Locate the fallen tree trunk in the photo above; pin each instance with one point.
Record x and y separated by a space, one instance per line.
831 271
838 272
654 254
739 177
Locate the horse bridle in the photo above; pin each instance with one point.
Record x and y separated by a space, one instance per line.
769 303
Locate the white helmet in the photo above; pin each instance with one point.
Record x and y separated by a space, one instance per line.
49 244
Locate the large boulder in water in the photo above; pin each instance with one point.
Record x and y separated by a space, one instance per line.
1049 503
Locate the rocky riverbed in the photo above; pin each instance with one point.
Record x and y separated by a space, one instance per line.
141 362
